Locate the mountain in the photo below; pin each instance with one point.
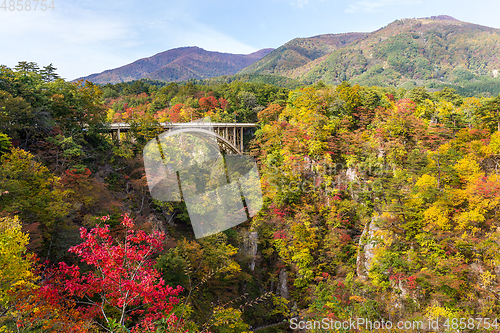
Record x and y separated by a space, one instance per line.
178 65
434 51
410 52
299 52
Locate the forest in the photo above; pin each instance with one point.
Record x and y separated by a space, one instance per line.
380 203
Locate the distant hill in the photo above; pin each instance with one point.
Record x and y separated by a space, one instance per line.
417 50
434 51
178 65
299 52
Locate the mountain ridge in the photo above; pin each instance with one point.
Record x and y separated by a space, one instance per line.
179 64
437 50
429 51
414 50
299 52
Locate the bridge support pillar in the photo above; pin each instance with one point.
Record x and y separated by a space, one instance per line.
241 139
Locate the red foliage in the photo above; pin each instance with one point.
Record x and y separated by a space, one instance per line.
471 134
406 105
279 211
486 188
364 116
412 282
345 238
175 112
271 113
280 234
122 277
398 277
45 307
208 103
72 176
223 103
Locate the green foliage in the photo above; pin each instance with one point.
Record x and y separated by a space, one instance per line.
17 117
5 143
30 190
36 103
275 80
490 114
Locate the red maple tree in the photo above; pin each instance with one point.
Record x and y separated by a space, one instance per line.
122 282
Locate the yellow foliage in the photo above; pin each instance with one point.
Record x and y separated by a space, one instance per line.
437 217
487 278
229 320
468 169
357 298
469 105
280 306
495 143
427 107
110 115
459 196
316 147
444 108
426 181
16 267
436 311
466 220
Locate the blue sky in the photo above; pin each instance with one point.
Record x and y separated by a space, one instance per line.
89 36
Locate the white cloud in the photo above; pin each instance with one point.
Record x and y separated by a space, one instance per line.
376 6
300 3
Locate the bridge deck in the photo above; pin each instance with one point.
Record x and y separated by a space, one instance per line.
125 127
232 132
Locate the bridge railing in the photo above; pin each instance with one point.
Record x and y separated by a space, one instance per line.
232 132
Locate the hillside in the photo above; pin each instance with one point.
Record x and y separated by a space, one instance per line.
434 51
178 65
415 51
299 52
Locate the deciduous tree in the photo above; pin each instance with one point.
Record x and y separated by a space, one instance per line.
122 283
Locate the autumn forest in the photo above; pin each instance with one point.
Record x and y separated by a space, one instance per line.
380 203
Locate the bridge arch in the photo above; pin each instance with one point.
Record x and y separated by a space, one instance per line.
231 133
224 144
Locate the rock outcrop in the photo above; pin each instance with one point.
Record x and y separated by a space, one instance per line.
249 247
367 245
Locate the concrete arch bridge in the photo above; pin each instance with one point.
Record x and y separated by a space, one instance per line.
228 135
